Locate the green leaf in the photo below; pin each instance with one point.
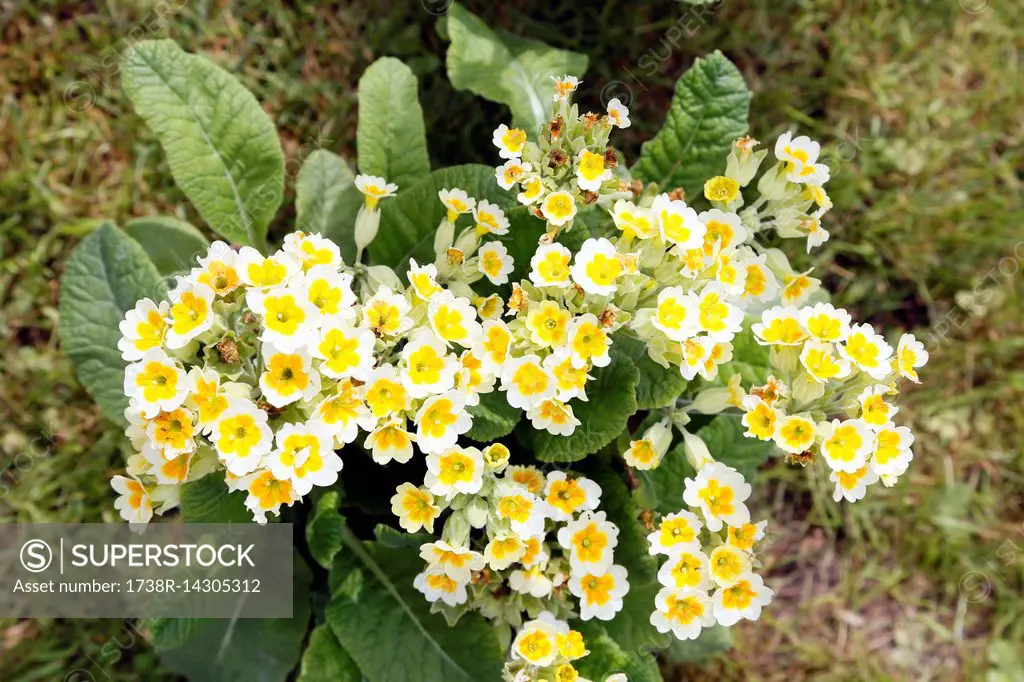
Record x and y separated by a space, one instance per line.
207 500
388 627
507 69
408 221
725 440
173 245
391 139
750 361
708 113
246 649
327 201
103 278
612 401
325 660
710 643
606 658
170 633
658 386
323 530
661 489
493 418
221 146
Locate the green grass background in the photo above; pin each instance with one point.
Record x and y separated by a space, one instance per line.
919 106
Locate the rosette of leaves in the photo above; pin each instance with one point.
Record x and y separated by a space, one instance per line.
356 615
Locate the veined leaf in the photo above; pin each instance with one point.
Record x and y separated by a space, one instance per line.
327 201
221 146
709 112
207 500
103 278
323 530
725 440
493 418
389 630
325 660
391 139
507 69
658 386
173 245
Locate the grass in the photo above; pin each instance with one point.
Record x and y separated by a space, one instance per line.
918 107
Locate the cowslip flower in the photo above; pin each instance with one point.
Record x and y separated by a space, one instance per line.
591 172
156 383
675 530
266 494
846 445
440 422
600 593
134 502
459 470
495 263
287 376
414 508
526 383
509 141
242 437
567 497
191 313
305 456
558 208
596 267
591 540
458 563
687 567
618 114
436 585
719 492
375 188
684 613
741 600
144 327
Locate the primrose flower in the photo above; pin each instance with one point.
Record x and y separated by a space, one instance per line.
719 492
287 377
892 453
679 223
744 537
590 539
305 456
495 263
532 582
874 411
596 267
523 510
218 269
684 613
724 231
289 319
821 364
390 441
779 326
526 382
428 367
846 445
263 273
375 188
503 550
510 173
741 600
242 437
453 319
798 287
493 345
852 485
532 186
344 349
647 452
567 497
191 313
565 86
172 433
727 564
343 410
634 221
719 319
618 114
144 327
386 394
441 420
825 323
687 568
458 470
311 250
675 531
156 383
795 434
590 171
558 208
910 355
437 585
571 380
536 643
423 279
414 508
760 418
456 201
600 593
133 502
328 290
386 313
800 155
549 266
553 416
509 141
458 563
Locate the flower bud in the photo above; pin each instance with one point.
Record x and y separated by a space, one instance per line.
367 224
456 529
378 276
496 457
443 238
742 164
477 512
697 453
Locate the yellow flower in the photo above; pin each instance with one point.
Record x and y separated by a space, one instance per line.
721 189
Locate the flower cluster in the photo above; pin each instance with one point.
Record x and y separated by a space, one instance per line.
544 648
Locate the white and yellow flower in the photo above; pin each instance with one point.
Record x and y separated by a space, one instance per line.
798 287
825 323
910 355
263 273
414 508
459 470
386 394
600 593
779 326
428 368
596 267
305 456
800 155
134 501
173 471
591 541
746 536
509 141
679 224
289 319
209 397
456 201
440 422
191 313
529 477
548 324
720 319
686 568
760 418
343 411
533 189
328 290
171 433
676 314
508 175
588 342
558 208
892 454
674 532
495 263
591 172
145 327
503 550
724 231
524 511
567 497
156 383
386 313
684 613
458 563
490 219
816 234
852 485
287 376
760 284
571 380
868 351
874 410
453 319
695 354
311 250
344 350
526 382
374 188
744 599
536 643
565 86
390 441
821 364
494 345
242 437
423 280
553 416
266 494
618 114
846 445
647 452
218 269
634 221
549 266
719 492
531 581
727 564
436 585
795 433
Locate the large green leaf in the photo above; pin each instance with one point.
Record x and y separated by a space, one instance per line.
389 630
221 146
493 418
391 139
725 440
408 221
709 112
103 278
658 386
207 500
612 401
173 245
711 642
606 658
323 530
325 660
327 201
506 68
661 489
247 649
